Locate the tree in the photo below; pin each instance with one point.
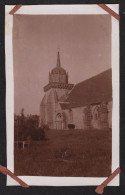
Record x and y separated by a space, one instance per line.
21 125
26 127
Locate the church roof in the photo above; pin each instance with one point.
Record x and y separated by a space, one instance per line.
91 91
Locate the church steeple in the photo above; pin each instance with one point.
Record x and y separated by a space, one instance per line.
58 77
58 60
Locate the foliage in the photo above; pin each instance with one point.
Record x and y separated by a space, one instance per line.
27 127
35 134
46 127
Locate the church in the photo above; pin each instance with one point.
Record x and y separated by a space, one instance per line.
85 105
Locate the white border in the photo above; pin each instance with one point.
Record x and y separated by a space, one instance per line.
60 9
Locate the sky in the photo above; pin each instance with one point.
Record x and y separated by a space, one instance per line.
84 43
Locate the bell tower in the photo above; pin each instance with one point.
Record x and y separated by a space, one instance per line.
55 92
58 77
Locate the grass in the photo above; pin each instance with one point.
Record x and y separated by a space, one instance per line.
76 153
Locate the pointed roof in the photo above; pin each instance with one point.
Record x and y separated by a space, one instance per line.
58 69
58 60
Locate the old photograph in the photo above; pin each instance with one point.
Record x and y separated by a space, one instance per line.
62 95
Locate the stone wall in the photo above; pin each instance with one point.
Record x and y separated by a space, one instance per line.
98 116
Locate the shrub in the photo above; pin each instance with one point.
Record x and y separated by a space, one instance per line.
71 126
46 127
38 134
34 134
41 134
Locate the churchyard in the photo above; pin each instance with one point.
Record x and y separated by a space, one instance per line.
78 153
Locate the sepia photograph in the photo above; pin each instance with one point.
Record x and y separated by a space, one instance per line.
62 95
62 74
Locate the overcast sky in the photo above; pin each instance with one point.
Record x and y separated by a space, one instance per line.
84 42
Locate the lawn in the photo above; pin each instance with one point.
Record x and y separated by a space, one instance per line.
76 153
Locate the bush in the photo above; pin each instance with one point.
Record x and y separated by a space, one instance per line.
41 134
38 134
71 126
34 134
46 127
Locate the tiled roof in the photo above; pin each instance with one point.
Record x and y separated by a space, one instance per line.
94 90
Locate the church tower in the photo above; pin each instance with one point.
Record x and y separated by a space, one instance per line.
58 77
56 91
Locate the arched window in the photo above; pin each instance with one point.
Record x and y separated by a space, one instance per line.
59 121
96 113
